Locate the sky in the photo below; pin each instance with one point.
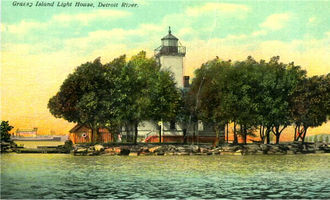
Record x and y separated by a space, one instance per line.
40 46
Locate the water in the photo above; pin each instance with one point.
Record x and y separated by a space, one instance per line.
57 176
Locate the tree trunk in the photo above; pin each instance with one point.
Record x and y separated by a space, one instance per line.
227 132
194 133
262 134
268 135
98 136
235 134
184 136
160 134
245 133
304 135
278 133
242 132
277 139
216 129
135 132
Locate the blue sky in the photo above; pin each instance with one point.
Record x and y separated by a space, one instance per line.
40 46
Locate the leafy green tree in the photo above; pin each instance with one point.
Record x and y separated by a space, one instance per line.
145 92
309 107
278 83
5 129
117 94
247 87
207 94
84 98
249 93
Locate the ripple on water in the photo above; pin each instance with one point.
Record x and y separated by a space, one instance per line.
193 177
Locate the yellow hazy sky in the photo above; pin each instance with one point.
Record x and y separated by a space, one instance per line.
40 46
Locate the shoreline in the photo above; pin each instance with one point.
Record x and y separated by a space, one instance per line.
201 149
176 149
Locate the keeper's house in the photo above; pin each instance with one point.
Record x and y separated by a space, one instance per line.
82 134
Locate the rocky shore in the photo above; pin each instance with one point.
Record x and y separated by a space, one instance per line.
204 149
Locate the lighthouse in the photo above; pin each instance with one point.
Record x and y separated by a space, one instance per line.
170 55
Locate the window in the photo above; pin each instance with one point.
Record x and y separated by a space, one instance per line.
172 124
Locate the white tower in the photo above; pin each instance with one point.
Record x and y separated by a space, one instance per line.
171 55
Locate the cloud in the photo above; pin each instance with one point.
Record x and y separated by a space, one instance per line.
62 20
85 18
20 28
276 21
259 33
312 19
216 7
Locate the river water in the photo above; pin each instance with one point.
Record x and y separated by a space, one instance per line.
58 176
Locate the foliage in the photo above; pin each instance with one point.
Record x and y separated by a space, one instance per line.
310 104
255 95
5 129
83 97
116 94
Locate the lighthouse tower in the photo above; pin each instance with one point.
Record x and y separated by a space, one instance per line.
171 55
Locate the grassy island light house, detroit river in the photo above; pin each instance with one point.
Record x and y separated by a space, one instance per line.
74 4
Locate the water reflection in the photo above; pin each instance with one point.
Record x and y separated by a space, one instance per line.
49 176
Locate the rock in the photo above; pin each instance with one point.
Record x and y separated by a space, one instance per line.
289 152
159 153
99 147
204 150
125 152
259 152
194 148
155 149
144 151
171 148
81 150
238 153
270 152
181 149
234 148
133 153
274 148
169 153
227 153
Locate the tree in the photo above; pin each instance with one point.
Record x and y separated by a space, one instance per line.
165 98
207 93
116 94
309 104
146 92
84 98
278 83
5 129
249 93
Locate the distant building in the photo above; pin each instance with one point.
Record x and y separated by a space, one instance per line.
27 132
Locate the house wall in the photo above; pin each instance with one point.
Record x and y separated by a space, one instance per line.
84 135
